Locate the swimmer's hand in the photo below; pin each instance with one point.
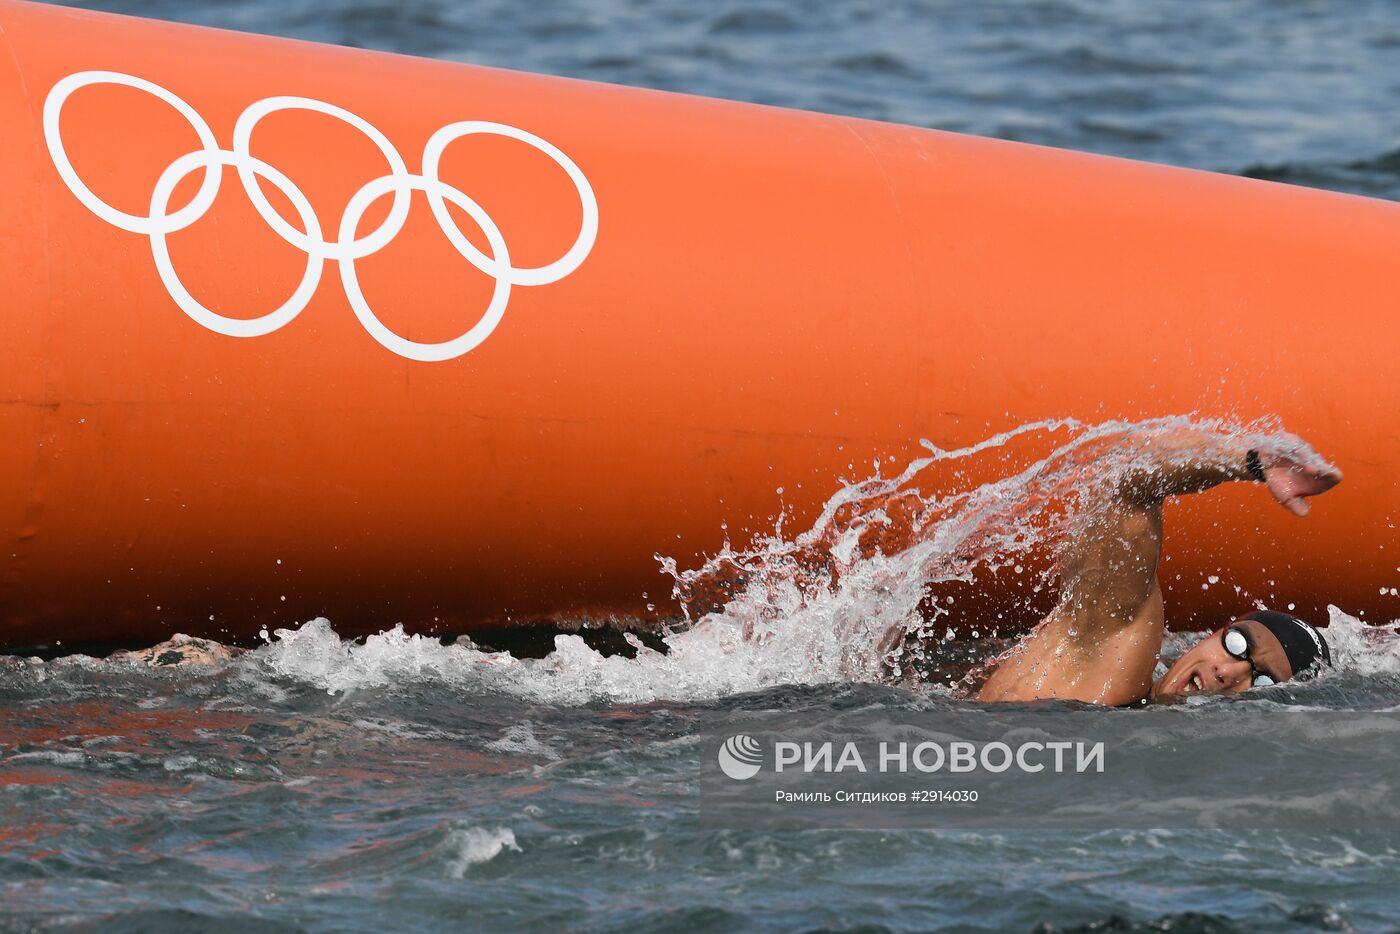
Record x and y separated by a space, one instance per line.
1290 482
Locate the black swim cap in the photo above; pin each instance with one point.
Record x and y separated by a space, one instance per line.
1302 643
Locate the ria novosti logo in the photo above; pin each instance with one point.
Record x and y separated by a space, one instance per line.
740 757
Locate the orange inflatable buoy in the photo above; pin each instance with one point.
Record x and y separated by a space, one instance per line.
293 330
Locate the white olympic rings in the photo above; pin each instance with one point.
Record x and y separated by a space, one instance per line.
347 247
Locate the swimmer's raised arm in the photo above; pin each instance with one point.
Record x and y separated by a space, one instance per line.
1110 570
1101 642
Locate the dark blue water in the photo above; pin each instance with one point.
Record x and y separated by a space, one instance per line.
1296 90
326 785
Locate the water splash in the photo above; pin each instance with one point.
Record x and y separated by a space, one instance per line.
466 847
853 597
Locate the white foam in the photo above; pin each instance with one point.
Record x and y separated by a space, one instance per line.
465 847
53 756
520 739
1361 647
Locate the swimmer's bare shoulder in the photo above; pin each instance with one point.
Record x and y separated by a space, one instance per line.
1102 642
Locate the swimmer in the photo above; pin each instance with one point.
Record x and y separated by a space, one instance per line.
1102 642
181 651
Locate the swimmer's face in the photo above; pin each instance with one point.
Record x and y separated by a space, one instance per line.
1215 666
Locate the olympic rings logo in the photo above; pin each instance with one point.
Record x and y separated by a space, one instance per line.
348 246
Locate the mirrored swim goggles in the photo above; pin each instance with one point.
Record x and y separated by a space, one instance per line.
1238 645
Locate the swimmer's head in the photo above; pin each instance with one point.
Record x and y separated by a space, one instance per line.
1253 650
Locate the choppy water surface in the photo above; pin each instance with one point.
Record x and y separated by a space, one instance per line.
321 784
440 793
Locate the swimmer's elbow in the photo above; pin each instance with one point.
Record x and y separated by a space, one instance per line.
1141 489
